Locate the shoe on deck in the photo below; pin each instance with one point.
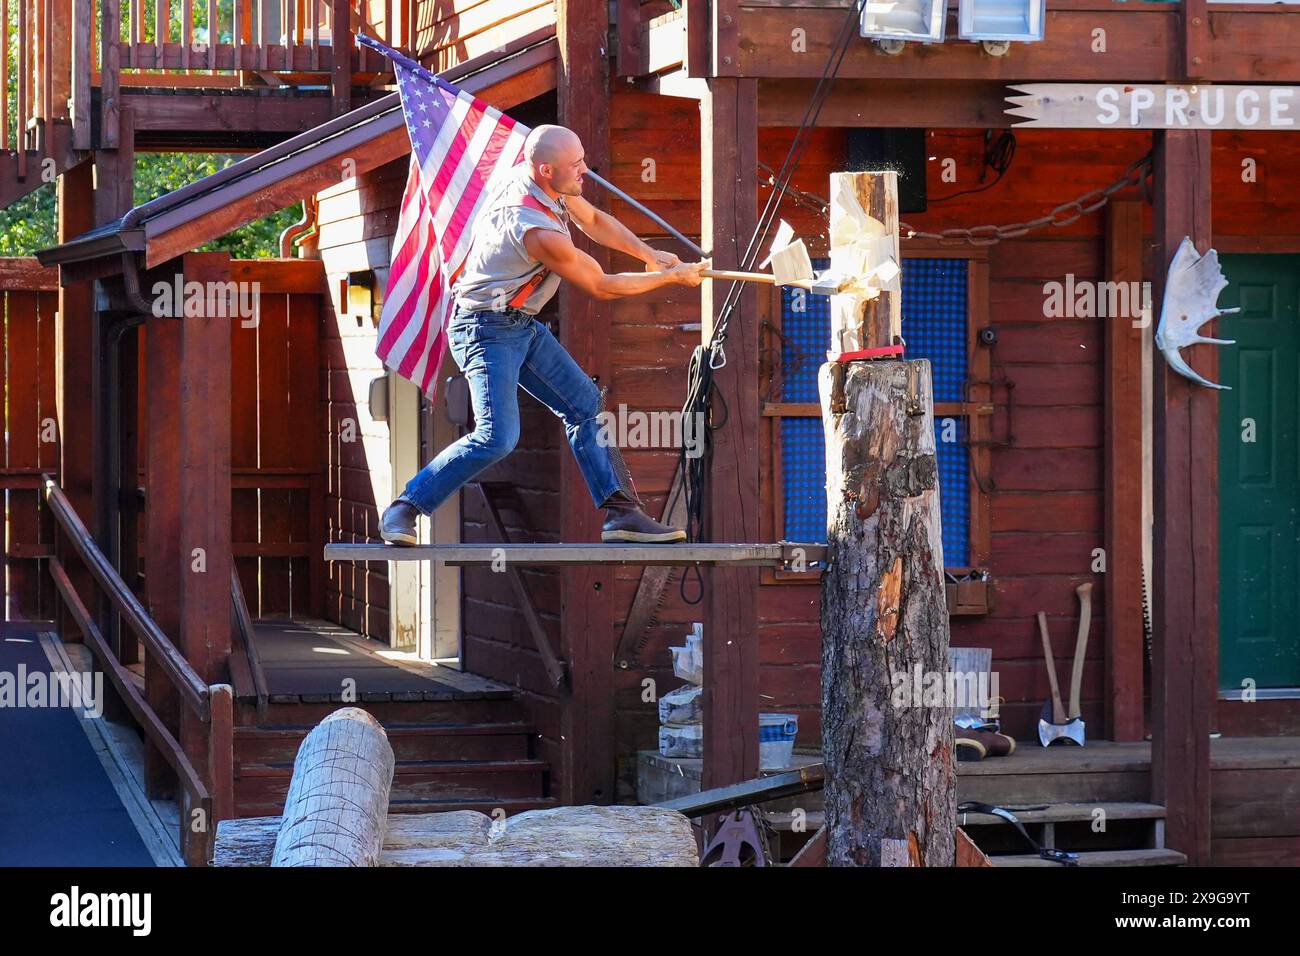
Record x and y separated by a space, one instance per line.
626 522
397 523
967 745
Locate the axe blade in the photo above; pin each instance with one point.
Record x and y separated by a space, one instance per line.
791 264
1072 731
784 236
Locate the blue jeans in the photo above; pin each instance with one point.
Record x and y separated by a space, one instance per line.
499 352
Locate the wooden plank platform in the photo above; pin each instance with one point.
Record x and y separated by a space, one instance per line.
308 660
763 555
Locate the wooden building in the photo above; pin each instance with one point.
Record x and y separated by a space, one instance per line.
1078 456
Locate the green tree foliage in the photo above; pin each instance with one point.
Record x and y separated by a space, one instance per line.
159 173
31 222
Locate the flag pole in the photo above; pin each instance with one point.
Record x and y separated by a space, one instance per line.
407 63
610 187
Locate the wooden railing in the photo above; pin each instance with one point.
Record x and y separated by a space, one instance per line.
247 35
35 58
53 52
209 799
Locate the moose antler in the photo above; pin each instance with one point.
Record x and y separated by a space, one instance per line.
1191 293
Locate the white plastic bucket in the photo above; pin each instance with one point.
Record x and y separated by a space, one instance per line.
776 734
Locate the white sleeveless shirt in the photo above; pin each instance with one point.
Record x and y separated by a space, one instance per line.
498 265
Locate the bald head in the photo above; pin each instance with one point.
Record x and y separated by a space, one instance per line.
555 159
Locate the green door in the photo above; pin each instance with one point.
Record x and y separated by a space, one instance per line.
1259 479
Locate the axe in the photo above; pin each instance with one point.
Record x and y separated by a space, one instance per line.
791 265
1058 727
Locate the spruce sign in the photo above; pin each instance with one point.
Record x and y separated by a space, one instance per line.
1155 106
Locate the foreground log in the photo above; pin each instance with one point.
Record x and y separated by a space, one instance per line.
890 780
337 807
561 836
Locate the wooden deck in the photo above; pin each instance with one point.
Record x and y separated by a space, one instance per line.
308 661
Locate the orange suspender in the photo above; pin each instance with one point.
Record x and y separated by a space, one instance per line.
529 287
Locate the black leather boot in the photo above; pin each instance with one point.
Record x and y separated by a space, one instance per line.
397 524
626 522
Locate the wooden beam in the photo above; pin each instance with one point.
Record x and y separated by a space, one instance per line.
281 275
115 173
1127 346
82 30
629 37
1186 559
342 43
202 113
698 38
577 554
110 65
1194 25
747 793
128 477
74 361
162 514
25 274
724 38
587 627
204 556
887 102
733 509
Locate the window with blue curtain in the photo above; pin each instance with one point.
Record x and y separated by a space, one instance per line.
934 327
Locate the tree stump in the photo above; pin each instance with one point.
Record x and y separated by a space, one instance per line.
890 777
336 812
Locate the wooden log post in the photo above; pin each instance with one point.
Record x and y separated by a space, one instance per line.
733 504
162 507
1185 475
336 813
74 388
587 634
890 779
202 459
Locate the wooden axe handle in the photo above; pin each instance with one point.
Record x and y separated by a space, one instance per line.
1058 709
739 276
1080 645
762 277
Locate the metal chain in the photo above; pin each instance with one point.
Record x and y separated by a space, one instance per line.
1063 215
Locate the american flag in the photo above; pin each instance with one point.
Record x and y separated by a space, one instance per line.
461 148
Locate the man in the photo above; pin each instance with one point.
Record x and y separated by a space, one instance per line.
520 252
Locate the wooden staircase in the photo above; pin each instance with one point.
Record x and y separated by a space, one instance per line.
450 755
1075 827
1095 805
